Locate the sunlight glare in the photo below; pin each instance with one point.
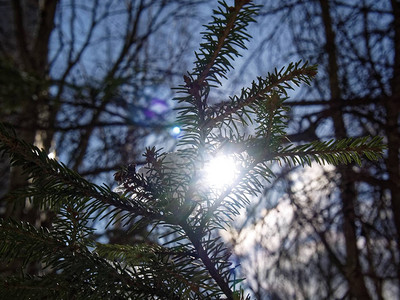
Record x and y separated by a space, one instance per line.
220 171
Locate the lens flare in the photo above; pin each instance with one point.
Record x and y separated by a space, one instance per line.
176 131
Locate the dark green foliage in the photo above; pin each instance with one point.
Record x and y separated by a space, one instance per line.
16 88
191 260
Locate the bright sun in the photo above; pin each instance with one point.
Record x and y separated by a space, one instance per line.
220 171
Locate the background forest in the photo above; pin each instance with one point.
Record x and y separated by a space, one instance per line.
90 82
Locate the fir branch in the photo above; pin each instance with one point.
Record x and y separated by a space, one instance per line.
332 152
23 240
101 277
61 183
223 34
229 30
193 262
278 82
166 263
195 238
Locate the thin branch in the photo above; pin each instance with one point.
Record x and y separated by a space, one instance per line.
250 100
210 266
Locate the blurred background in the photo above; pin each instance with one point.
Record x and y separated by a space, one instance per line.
90 82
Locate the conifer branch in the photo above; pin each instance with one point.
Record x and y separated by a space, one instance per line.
210 266
62 181
332 152
192 261
278 82
231 21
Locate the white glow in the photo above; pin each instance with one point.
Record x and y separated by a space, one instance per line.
176 130
52 155
220 171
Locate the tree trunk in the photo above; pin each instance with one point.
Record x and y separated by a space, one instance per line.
348 193
392 106
30 26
